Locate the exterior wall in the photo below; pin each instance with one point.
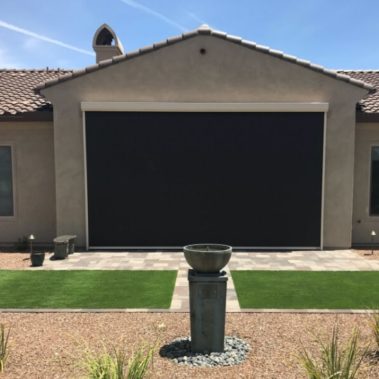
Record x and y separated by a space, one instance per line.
33 178
106 52
367 135
226 73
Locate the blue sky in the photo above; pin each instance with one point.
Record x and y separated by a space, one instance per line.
333 33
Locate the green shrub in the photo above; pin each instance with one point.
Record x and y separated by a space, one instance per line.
115 365
22 244
4 338
335 362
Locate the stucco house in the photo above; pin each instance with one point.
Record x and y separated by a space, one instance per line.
204 137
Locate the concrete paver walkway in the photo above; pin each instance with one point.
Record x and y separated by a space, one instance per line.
327 260
341 260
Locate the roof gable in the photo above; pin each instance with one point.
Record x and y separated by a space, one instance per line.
205 30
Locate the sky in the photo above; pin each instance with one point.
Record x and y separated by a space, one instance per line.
338 34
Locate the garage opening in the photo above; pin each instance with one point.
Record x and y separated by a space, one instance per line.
167 179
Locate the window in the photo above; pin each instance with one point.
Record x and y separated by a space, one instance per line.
374 194
6 185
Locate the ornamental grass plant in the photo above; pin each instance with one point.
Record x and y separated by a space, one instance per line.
139 363
4 352
375 328
114 364
335 362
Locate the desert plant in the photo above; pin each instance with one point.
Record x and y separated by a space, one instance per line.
375 327
22 244
114 364
335 362
139 362
106 365
4 338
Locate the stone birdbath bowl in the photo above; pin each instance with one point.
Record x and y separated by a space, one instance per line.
207 258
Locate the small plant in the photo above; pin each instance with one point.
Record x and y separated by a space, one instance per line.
22 244
139 362
375 328
106 365
4 338
114 365
335 363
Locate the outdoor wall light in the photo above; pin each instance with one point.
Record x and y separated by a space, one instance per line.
31 238
373 234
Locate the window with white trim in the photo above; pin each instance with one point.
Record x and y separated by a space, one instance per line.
6 182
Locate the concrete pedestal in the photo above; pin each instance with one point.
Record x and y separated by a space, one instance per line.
60 250
207 310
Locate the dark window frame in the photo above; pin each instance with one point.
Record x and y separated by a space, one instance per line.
10 216
371 211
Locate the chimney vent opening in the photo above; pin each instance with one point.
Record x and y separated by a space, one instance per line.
105 38
106 43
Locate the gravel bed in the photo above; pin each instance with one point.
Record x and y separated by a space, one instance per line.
179 351
49 346
367 254
14 261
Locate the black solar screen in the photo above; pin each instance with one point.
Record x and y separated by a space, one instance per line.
170 178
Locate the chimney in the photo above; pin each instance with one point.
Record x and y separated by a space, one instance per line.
106 44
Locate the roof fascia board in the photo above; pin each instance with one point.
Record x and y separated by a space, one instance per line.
104 106
27 117
367 117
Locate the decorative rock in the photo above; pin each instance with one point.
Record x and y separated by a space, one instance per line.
179 351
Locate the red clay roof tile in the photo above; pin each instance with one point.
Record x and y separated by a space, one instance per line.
370 103
17 93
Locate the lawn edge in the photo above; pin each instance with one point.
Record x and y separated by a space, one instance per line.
167 310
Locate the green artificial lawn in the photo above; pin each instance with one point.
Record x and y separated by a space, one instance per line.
86 289
307 289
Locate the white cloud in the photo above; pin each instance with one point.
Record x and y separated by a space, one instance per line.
154 13
41 37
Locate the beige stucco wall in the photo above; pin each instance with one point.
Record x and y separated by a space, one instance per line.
367 135
33 177
226 73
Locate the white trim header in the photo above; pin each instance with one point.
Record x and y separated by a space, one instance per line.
121 106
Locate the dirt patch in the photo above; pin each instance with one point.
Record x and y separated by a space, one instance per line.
51 345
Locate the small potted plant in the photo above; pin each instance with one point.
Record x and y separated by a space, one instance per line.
36 257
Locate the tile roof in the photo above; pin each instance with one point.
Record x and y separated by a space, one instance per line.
17 93
370 103
19 89
206 30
